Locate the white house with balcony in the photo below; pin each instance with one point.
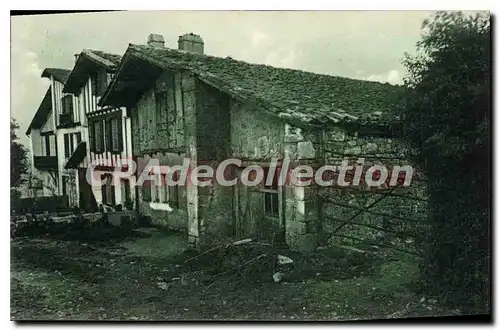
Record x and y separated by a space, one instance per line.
107 130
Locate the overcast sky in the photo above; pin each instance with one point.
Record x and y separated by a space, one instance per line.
363 45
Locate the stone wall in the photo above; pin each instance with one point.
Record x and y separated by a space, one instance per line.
215 127
301 207
312 212
254 135
256 138
340 145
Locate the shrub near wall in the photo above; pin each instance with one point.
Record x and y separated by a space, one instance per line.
41 204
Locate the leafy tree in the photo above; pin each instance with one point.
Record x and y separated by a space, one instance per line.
446 118
18 157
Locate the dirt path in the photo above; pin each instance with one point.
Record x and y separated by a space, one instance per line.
136 278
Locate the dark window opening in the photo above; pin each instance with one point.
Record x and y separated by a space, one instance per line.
64 185
67 104
271 203
71 144
91 137
98 137
125 185
171 191
108 190
146 190
93 81
78 137
102 82
66 145
114 135
47 145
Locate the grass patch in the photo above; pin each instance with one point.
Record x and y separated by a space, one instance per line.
370 296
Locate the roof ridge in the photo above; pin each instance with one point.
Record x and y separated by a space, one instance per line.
98 50
229 58
295 94
54 68
59 74
97 55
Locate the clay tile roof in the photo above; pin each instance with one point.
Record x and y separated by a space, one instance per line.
60 75
293 94
42 112
81 69
108 59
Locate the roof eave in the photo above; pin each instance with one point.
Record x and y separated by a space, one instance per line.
73 85
46 100
104 101
99 60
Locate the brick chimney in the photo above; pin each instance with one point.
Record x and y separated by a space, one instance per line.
191 42
156 40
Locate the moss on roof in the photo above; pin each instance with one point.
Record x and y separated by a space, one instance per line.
81 69
113 59
295 94
60 75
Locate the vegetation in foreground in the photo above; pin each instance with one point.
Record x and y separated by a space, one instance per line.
133 277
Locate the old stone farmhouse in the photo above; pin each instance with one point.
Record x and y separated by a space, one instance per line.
183 103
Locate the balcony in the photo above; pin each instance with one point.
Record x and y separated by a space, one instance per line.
45 162
66 120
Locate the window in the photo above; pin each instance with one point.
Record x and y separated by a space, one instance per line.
114 135
271 195
99 82
98 136
108 190
91 137
156 189
71 144
163 192
93 81
78 138
47 145
146 190
67 104
125 191
171 191
102 82
64 185
66 145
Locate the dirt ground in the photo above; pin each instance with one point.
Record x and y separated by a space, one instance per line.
141 276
